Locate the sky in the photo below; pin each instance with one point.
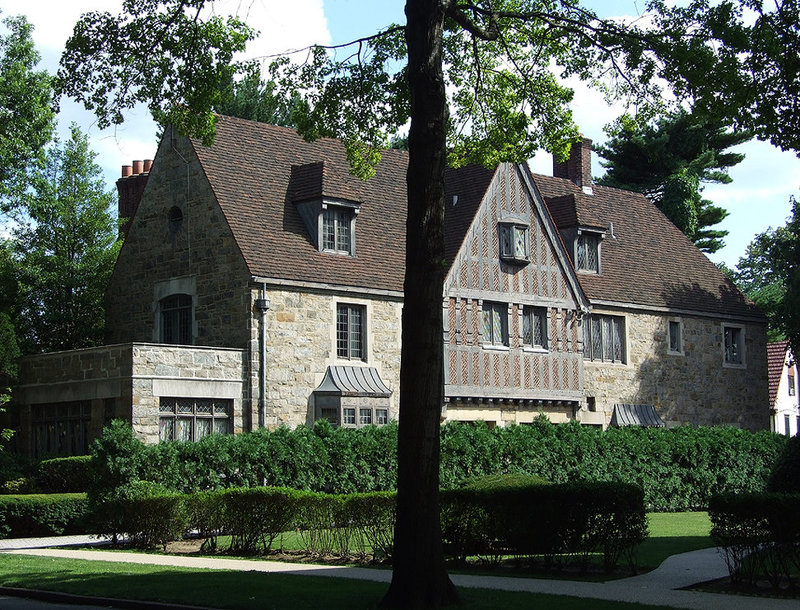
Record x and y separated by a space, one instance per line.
757 198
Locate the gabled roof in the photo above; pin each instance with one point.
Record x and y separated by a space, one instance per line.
249 168
464 188
647 260
776 356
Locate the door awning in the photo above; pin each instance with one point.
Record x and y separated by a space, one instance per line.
636 415
353 381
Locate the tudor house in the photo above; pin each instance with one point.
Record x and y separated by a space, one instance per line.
784 408
260 284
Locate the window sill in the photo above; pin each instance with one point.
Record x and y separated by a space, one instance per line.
734 365
535 350
671 353
496 348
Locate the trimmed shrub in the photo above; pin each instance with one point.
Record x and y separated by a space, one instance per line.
63 475
254 517
372 516
206 515
563 523
759 535
23 516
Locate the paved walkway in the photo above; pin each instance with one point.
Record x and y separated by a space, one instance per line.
659 587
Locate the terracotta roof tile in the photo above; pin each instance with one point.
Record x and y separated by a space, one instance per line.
776 356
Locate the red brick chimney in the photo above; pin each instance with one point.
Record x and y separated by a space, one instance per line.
578 167
130 188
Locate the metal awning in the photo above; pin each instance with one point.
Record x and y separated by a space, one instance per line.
636 415
353 381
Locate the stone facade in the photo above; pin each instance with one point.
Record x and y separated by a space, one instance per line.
125 381
692 385
301 344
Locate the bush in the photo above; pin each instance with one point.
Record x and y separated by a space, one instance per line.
64 475
785 476
760 536
372 515
678 469
23 516
14 473
255 516
561 522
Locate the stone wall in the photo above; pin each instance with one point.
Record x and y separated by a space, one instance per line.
301 344
126 381
199 251
693 386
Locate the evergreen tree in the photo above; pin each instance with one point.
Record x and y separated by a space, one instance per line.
256 100
668 161
65 248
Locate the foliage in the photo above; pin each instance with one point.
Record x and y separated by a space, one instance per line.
678 469
759 535
63 475
785 476
255 516
24 516
256 100
66 245
26 115
570 521
667 160
768 273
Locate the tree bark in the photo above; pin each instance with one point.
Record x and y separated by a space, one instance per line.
419 578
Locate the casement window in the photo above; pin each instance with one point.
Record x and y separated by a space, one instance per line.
534 327
337 230
587 252
733 345
176 319
352 417
190 419
495 324
675 337
351 332
514 242
790 379
604 338
61 428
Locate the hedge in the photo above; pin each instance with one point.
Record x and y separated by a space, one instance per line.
678 469
563 523
23 516
64 475
759 534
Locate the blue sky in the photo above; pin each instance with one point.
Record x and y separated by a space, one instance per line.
757 198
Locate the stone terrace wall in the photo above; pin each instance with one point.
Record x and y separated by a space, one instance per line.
691 388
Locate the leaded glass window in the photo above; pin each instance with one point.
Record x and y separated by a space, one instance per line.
604 338
61 428
588 252
495 323
514 242
534 326
733 345
190 419
350 334
337 230
675 339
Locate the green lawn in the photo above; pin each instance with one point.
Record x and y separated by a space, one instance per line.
242 590
671 534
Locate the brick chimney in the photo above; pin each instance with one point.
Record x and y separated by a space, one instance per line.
578 168
130 188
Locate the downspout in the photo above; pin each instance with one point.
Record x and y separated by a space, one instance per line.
262 305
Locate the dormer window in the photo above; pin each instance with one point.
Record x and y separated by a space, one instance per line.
587 251
337 227
514 242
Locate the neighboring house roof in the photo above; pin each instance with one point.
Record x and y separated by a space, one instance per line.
250 170
647 260
776 356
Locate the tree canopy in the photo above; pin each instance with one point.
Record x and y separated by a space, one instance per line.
478 82
255 99
667 160
64 246
26 113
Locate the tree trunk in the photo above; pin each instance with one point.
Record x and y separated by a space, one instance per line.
419 578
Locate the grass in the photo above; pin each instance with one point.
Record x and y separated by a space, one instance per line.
671 534
242 590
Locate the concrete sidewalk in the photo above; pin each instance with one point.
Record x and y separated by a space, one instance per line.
659 587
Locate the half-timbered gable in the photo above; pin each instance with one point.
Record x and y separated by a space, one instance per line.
512 304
